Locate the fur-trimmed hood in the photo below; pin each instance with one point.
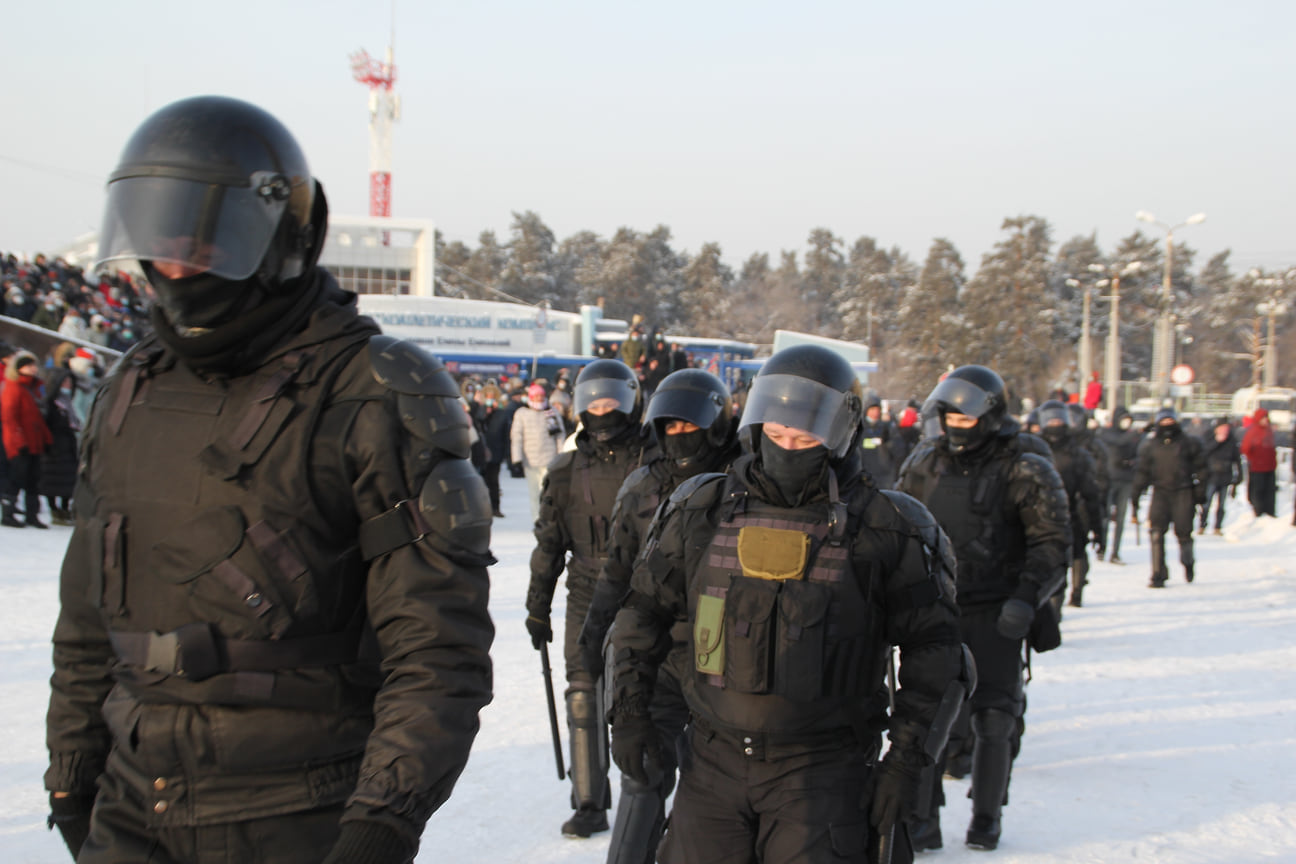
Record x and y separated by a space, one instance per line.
19 357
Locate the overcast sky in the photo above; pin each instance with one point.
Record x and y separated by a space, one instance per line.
744 123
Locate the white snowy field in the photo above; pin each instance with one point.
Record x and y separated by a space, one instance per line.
1163 730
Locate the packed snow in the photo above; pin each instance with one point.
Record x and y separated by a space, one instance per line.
1163 729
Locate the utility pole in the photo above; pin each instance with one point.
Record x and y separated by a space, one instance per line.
1162 346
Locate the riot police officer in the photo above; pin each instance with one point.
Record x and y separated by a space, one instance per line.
1076 466
1005 510
273 639
576 503
1122 442
795 575
692 415
1173 464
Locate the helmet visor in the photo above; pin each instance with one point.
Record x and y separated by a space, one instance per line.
697 407
205 227
960 396
806 405
622 390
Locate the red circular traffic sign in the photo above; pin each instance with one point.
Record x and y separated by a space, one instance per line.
1182 374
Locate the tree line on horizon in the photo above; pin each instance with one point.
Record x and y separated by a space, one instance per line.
1020 312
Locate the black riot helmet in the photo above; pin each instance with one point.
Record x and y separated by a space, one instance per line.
975 391
807 387
1077 417
608 379
1055 421
219 190
700 398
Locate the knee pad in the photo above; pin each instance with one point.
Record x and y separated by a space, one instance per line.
993 723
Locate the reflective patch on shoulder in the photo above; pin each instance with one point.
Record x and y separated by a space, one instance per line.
404 367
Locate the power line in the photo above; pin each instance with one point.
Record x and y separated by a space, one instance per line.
53 169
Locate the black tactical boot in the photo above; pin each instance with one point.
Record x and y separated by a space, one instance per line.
1188 572
584 822
925 834
1079 578
33 512
1156 541
991 764
7 514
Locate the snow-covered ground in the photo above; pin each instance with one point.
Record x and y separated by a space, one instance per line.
1163 730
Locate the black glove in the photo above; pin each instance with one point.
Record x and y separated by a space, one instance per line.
540 630
1199 494
71 815
636 747
895 788
1015 618
363 842
1100 543
1233 491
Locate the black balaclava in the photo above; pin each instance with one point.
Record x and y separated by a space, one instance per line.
605 428
1055 435
244 334
964 440
797 475
1167 431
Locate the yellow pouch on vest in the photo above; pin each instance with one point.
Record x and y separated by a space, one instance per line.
708 635
773 553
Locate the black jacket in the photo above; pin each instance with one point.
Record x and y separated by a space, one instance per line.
1223 461
229 511
1168 462
1122 452
1005 509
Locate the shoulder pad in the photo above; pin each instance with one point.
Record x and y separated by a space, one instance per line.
923 525
636 478
1028 442
562 462
456 506
1038 469
698 492
404 367
427 398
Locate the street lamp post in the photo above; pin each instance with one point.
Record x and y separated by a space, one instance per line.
1112 375
1162 347
1085 360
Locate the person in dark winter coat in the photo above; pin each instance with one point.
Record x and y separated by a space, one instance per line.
1122 442
692 417
1075 465
1223 473
26 437
1262 464
59 462
795 575
273 637
884 448
1171 463
573 532
1005 509
492 412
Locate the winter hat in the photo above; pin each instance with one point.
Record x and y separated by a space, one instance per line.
81 362
536 396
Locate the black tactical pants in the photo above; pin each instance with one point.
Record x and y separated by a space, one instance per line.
1177 507
1118 499
998 661
119 834
777 806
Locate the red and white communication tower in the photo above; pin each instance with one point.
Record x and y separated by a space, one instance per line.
384 110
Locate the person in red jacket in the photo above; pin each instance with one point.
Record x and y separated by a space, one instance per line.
25 437
1262 464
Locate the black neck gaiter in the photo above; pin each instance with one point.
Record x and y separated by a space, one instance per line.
798 475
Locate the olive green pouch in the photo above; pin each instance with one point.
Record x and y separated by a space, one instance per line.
708 635
773 553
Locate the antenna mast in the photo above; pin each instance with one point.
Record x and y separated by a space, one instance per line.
384 110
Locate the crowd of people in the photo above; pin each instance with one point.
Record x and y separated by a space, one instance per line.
110 309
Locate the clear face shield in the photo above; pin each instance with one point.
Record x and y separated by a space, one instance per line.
201 227
624 392
816 409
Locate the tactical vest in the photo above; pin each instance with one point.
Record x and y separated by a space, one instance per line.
594 484
969 504
221 573
787 631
